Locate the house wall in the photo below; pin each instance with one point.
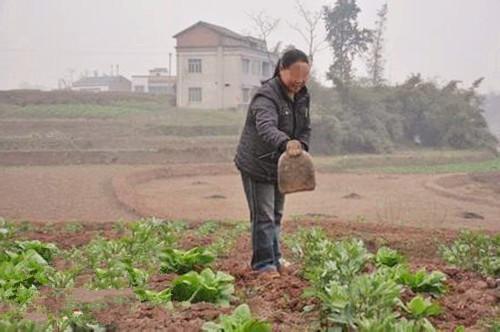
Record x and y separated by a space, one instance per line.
222 78
207 80
121 85
199 37
98 88
140 81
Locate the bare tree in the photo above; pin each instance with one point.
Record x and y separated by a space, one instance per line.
376 60
265 25
309 29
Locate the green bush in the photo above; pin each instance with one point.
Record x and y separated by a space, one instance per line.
414 113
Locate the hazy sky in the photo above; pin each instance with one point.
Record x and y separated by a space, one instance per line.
40 40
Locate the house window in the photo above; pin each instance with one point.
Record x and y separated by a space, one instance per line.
195 95
266 69
255 67
245 66
245 95
194 65
160 90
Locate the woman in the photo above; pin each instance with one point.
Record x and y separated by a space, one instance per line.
277 120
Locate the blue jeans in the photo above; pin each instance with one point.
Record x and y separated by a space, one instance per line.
266 205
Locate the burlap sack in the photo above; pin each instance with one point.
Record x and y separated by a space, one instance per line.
296 173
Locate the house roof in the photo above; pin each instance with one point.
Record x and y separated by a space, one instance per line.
219 29
98 80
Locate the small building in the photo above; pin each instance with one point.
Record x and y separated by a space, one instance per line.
102 83
218 68
158 81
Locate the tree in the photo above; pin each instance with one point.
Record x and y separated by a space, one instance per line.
376 60
265 25
309 30
346 39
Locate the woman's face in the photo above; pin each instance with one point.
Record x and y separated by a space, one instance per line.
295 76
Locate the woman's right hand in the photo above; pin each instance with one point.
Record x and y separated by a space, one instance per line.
293 148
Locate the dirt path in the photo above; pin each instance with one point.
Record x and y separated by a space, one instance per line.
61 193
394 199
85 193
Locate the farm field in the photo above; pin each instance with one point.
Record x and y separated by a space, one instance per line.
115 223
122 276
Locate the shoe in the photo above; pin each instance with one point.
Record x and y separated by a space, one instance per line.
283 266
285 263
268 273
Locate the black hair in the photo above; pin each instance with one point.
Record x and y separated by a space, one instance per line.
289 58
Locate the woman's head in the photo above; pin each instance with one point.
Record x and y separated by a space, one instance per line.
293 69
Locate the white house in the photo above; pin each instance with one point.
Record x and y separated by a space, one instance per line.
158 81
102 83
218 68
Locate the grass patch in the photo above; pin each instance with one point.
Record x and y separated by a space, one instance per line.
168 115
471 167
70 111
415 161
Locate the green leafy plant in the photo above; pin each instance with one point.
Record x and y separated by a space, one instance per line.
46 250
420 308
15 325
147 237
423 282
208 227
73 227
73 321
365 297
391 324
180 261
352 300
22 270
119 274
491 324
146 295
388 257
6 229
241 320
306 244
127 261
205 286
326 260
475 252
62 279
222 245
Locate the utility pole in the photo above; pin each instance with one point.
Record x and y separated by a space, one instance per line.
170 64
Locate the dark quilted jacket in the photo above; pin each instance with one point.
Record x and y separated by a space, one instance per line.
272 119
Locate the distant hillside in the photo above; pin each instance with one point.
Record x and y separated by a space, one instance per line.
37 97
492 113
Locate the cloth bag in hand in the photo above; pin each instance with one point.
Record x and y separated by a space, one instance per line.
295 169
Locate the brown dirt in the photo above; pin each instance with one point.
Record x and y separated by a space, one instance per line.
467 301
411 213
399 199
65 238
480 188
133 141
94 193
